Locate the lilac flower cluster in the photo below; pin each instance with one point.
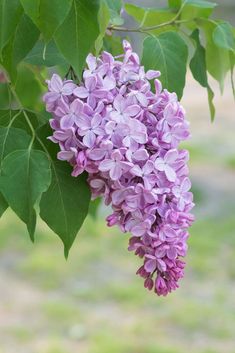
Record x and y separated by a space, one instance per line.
126 137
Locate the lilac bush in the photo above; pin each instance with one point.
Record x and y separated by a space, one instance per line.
126 137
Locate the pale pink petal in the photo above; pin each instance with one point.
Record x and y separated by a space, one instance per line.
159 164
65 155
138 230
100 93
148 167
97 154
90 83
106 165
89 139
172 253
97 183
109 83
83 121
77 106
141 155
132 110
96 120
115 172
150 265
51 97
151 74
91 100
186 185
81 92
118 103
91 62
68 88
158 86
170 173
136 170
55 83
66 122
171 156
142 99
116 116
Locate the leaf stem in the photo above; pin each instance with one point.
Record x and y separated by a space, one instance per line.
142 29
150 28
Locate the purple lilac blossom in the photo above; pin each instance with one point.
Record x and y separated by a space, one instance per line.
126 137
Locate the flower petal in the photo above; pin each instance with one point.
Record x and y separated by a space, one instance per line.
81 92
89 139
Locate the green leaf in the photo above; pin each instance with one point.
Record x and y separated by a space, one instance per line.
103 19
12 139
64 206
21 42
3 205
114 10
113 44
10 13
25 176
25 37
69 196
47 15
167 53
194 9
52 56
198 69
201 4
198 61
76 36
148 17
8 118
31 8
115 6
232 64
28 88
217 59
93 208
4 101
43 132
6 60
210 95
223 36
175 4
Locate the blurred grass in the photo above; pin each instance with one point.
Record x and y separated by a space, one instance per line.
94 302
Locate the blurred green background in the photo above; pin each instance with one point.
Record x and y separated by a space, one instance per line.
94 303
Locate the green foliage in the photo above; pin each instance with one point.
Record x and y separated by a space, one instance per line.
197 9
64 206
167 53
76 36
217 58
149 17
114 10
10 13
40 37
25 176
103 19
175 4
198 69
47 15
223 36
51 56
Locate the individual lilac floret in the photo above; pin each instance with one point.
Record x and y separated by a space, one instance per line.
126 137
